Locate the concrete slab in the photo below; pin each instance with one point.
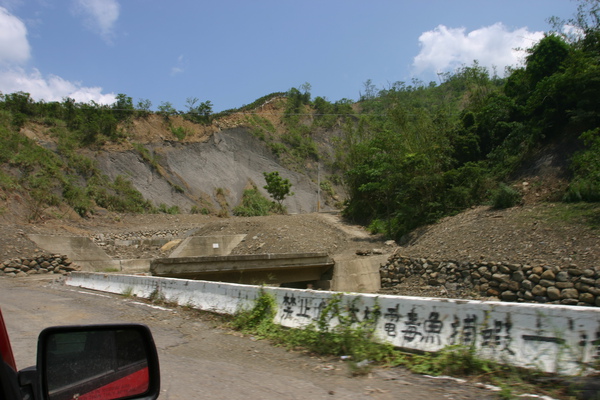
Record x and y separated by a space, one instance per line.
79 249
358 274
200 246
136 266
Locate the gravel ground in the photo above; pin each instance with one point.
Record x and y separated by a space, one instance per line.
523 235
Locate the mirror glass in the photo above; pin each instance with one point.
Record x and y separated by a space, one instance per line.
95 364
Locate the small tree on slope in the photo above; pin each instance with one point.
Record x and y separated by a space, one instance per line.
278 187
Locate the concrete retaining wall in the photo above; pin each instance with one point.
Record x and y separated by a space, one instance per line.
80 249
553 338
357 274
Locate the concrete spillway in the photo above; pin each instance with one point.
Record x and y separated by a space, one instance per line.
208 258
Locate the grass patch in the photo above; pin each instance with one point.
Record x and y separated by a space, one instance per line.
583 214
199 210
179 132
349 338
146 156
355 341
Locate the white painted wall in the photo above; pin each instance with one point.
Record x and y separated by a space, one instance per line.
553 338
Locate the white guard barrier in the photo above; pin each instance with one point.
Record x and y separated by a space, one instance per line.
552 338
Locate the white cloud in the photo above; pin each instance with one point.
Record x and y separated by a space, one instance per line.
444 49
100 16
180 67
14 46
51 88
15 52
572 32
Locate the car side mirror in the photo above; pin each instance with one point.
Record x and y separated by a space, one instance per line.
98 362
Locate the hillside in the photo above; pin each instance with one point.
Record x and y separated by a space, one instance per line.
477 167
230 154
175 163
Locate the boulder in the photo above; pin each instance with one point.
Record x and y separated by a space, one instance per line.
569 294
548 275
562 276
587 298
553 293
539 290
509 296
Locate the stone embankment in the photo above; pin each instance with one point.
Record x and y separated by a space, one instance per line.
139 244
570 285
42 264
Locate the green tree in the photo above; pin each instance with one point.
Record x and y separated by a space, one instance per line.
279 188
166 109
123 107
198 112
370 91
143 107
546 58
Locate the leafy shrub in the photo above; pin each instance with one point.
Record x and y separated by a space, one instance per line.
327 187
583 189
253 204
506 197
77 198
119 196
179 132
258 319
168 210
197 210
278 149
378 226
586 167
302 145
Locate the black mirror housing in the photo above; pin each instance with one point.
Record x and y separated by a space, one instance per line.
108 362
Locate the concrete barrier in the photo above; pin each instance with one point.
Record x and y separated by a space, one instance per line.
552 338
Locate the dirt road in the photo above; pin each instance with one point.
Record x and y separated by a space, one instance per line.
201 360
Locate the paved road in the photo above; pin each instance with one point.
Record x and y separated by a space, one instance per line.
202 361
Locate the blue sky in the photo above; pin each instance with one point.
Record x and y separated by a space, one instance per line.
233 52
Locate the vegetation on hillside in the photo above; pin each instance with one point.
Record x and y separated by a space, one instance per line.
54 176
419 152
407 154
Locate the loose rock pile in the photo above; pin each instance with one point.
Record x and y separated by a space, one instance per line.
570 285
139 244
42 264
102 238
